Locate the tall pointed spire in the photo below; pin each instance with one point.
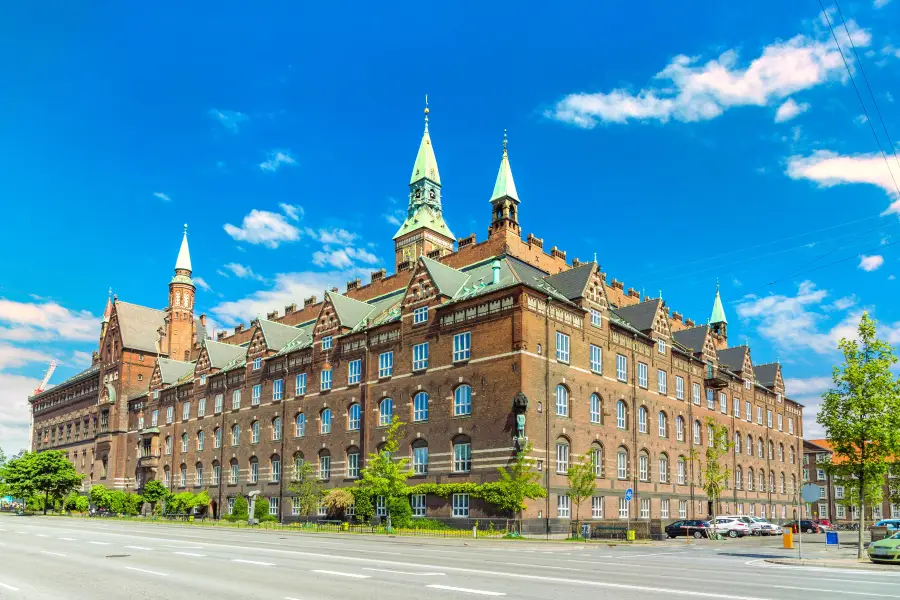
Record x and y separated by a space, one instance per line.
426 166
183 263
718 312
504 187
107 312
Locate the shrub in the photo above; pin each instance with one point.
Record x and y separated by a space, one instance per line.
261 510
241 510
429 524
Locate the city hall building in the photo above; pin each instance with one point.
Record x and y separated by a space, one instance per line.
480 346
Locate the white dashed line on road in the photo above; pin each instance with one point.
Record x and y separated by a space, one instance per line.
340 574
100 543
466 590
146 571
42 535
51 553
8 587
139 547
252 562
401 572
69 539
190 554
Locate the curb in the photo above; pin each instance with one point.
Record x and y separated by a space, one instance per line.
859 566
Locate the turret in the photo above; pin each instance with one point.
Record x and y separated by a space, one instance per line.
505 199
180 318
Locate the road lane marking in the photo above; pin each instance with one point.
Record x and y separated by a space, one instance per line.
69 539
189 554
100 543
401 572
139 547
51 553
354 575
24 532
42 535
252 562
9 587
146 571
466 590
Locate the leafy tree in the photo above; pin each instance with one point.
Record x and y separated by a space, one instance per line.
241 510
132 504
2 458
517 482
47 473
861 416
180 503
306 487
337 500
81 504
386 476
714 472
582 480
99 496
261 510
154 491
201 501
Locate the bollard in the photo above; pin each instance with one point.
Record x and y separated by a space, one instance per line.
788 540
629 535
474 531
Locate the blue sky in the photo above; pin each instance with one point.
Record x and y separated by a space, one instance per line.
679 142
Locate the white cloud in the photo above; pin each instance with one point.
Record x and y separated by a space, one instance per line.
861 120
829 169
276 159
22 321
870 263
342 258
229 119
797 386
15 418
331 236
692 91
243 272
81 359
201 283
789 110
162 196
264 227
844 303
881 3
12 357
294 212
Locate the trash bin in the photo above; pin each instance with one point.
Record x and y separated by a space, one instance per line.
629 535
788 539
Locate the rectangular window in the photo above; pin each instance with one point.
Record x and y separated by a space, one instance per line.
622 465
273 505
324 467
257 364
563 504
682 509
596 318
385 364
236 399
276 470
661 346
840 511
217 474
462 458
380 507
723 402
839 493
420 356
736 407
621 368
642 374
710 400
219 401
353 465
623 507
327 342
790 425
769 419
645 508
695 393
662 383
256 394
462 346
201 407
562 458
278 389
820 474
420 315
664 508
461 505
300 384
420 460
417 501
823 510
325 380
154 418
679 387
139 426
562 347
235 473
597 507
202 377
749 408
354 371
596 359
682 468
170 411
254 472
759 415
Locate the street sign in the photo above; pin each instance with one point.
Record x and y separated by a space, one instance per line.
810 492
629 494
831 538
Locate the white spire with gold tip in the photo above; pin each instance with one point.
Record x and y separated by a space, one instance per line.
505 187
183 263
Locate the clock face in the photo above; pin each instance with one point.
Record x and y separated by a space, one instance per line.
431 194
418 193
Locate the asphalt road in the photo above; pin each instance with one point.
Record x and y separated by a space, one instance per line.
92 559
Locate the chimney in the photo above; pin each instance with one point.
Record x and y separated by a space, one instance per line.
677 316
95 357
554 251
466 241
495 267
272 315
220 335
203 319
634 293
290 308
404 266
352 285
334 290
535 241
689 322
576 262
435 254
378 275
239 328
309 301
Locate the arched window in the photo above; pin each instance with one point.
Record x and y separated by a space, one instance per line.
254 469
325 421
420 407
750 479
254 432
642 419
597 459
762 481
420 457
697 434
682 471
216 472
298 464
679 429
276 428
462 401
201 440
234 475
663 468
771 451
738 478
300 425
385 412
663 424
562 455
772 481
235 435
621 415
737 442
759 447
353 462
793 484
275 468
781 452
184 442
562 401
710 435
354 416
596 409
644 466
198 473
324 465
749 445
791 453
622 463
781 483
217 437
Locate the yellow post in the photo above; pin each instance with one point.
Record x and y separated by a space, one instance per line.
788 539
630 535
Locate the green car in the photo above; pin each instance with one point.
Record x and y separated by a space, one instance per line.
886 550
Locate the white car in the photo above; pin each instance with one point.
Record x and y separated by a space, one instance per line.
766 528
731 526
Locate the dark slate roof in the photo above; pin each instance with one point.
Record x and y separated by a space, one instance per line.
733 358
572 283
92 370
693 338
640 316
139 325
765 374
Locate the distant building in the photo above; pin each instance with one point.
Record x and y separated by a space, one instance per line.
462 342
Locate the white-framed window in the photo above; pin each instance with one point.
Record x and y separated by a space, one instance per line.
325 467
645 508
562 347
155 394
562 401
257 363
563 505
354 416
642 374
183 476
385 412
682 509
662 384
220 400
840 511
274 505
679 429
420 460
749 445
736 407
236 399
300 384
170 410
184 442
597 460
420 315
596 414
737 442
596 318
623 507
723 402
325 423
679 387
682 470
780 422
562 457
201 408
597 507
759 420
300 425
185 411
769 419
380 507
661 346
217 438
235 435
839 493
621 367
254 471
663 424
596 359
747 384
417 502
462 346
622 464
461 505
749 411
202 379
620 414
420 356
234 476
256 395
462 457
695 393
462 401
644 467
254 432
327 342
217 474
353 465
201 440
168 445
642 419
820 474
790 425
325 379
710 400
697 434
710 435
354 371
278 389
386 364
276 469
420 406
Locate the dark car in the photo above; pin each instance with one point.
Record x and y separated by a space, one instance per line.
805 526
692 527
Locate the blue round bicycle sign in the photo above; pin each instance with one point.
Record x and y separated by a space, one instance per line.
629 494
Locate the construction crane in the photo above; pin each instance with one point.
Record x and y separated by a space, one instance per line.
47 375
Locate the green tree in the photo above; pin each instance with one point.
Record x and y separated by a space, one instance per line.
337 500
81 504
861 416
714 472
385 475
4 489
582 479
517 482
154 491
261 510
241 510
48 473
99 496
306 487
132 504
201 502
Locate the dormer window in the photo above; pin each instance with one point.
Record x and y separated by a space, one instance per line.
747 384
327 342
661 346
257 364
203 380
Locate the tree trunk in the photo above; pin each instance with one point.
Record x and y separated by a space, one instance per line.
46 500
862 524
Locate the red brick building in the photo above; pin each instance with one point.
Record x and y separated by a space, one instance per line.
477 348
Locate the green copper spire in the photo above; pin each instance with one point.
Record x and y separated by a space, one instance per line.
718 312
505 186
426 164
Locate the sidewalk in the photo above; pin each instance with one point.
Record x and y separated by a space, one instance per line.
834 563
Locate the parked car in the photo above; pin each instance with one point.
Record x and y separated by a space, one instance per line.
806 526
693 527
886 550
766 528
732 527
826 523
891 524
